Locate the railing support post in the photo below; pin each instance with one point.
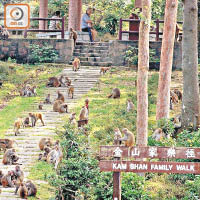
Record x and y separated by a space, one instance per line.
157 29
63 28
120 29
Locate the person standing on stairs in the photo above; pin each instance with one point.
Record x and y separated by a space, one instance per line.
86 24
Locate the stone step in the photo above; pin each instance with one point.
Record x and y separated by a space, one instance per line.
90 54
93 44
91 47
101 64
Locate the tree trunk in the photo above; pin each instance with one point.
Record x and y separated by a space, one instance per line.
142 80
190 108
166 60
43 13
75 10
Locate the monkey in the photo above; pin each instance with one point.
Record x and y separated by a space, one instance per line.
5 34
73 35
60 97
10 157
43 156
40 106
57 104
83 113
47 100
117 136
72 119
71 91
173 97
32 190
128 138
33 90
158 134
1 175
55 156
69 82
45 142
87 104
26 122
23 191
6 143
53 82
63 81
6 180
34 118
130 106
179 94
76 64
115 93
17 125
104 70
19 177
63 108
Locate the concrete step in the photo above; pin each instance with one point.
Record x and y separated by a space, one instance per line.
102 64
90 52
92 44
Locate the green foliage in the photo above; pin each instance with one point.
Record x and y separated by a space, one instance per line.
42 54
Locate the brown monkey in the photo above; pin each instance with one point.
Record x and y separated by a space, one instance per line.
33 90
130 106
55 156
83 113
10 157
34 118
6 180
115 93
158 134
19 177
53 82
6 143
76 64
43 156
47 100
63 81
104 70
128 138
71 91
73 35
23 191
173 97
56 105
179 94
72 119
60 97
17 125
40 106
117 136
69 82
63 108
45 142
32 190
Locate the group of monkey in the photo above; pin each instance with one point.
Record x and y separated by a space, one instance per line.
28 91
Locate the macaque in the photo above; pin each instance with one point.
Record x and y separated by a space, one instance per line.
73 35
59 106
40 106
10 157
33 90
179 94
60 97
117 136
19 177
72 119
47 100
43 156
6 143
53 82
34 118
26 122
63 81
173 97
83 113
69 82
45 142
23 191
130 106
17 125
104 70
55 156
76 64
71 91
158 134
63 108
6 180
128 138
32 190
5 34
115 93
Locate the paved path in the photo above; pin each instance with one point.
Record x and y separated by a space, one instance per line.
27 142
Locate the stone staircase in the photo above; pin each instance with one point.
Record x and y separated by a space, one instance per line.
28 139
92 54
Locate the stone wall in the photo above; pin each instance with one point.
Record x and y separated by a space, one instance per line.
118 48
19 49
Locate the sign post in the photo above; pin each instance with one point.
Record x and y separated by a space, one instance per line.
118 165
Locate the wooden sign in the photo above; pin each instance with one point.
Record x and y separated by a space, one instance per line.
149 152
154 167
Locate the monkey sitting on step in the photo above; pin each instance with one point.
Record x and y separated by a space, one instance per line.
53 82
47 100
60 97
6 180
6 143
17 125
60 107
10 157
45 142
115 93
128 138
73 35
43 156
32 190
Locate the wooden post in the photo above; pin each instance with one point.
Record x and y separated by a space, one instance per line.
63 28
117 184
157 29
120 29
43 13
